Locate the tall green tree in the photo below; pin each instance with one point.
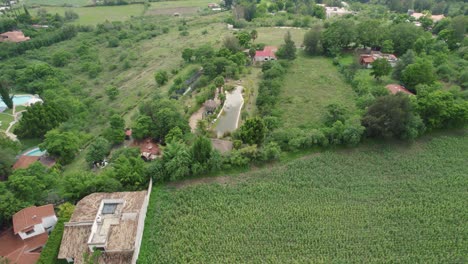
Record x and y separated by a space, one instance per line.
142 127
442 109
98 150
312 41
253 131
63 145
338 35
40 118
5 95
130 172
288 49
177 160
201 150
392 116
161 77
380 67
116 132
254 34
420 72
408 58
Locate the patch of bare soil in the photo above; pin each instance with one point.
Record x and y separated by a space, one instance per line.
173 10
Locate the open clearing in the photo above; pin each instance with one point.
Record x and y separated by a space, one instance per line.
99 14
374 204
58 2
275 36
311 84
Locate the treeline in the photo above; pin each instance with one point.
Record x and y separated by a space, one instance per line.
443 56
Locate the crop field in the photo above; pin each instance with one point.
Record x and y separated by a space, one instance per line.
310 85
99 14
380 203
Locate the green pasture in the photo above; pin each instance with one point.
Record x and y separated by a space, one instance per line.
99 14
58 2
379 203
5 120
275 36
311 84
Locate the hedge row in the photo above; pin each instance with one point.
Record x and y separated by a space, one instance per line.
50 251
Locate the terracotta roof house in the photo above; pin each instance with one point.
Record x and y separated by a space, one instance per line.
395 88
149 150
368 58
24 161
267 54
110 222
13 36
31 226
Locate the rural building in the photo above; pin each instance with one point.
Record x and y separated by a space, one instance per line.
332 11
25 161
210 106
31 226
267 54
110 222
367 59
417 16
149 150
13 36
396 88
128 134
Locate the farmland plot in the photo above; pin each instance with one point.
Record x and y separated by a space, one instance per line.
376 204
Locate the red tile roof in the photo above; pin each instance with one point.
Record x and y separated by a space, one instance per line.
367 59
31 216
19 251
395 88
148 146
268 51
24 161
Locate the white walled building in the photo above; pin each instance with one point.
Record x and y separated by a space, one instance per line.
33 221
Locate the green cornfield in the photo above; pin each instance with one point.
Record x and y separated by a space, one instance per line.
379 203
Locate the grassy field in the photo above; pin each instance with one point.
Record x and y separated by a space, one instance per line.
58 2
380 203
5 121
99 14
310 85
275 36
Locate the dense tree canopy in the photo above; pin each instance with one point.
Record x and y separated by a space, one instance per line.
392 116
40 118
63 145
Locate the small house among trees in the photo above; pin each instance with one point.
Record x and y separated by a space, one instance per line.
149 150
395 88
366 60
210 106
267 54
